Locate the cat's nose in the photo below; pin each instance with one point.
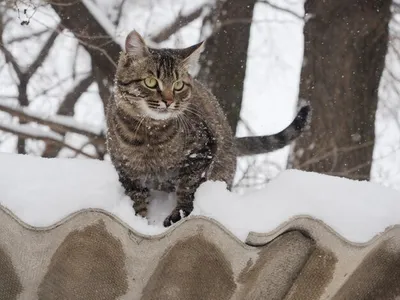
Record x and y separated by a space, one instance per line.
167 97
168 101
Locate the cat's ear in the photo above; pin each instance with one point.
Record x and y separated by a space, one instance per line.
191 55
135 45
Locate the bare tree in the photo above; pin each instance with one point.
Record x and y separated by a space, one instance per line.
25 75
103 50
53 138
345 45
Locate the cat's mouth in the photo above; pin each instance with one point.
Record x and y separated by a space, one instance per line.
159 113
162 110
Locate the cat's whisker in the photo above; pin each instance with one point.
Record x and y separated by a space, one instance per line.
194 112
182 121
185 128
138 126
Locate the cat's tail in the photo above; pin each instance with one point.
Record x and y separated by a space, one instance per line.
262 144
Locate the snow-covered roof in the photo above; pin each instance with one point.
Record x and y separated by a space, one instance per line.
43 191
67 231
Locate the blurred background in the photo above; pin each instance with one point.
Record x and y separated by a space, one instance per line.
58 59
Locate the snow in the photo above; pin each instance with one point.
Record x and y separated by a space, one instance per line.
357 210
72 122
59 119
43 191
103 20
32 131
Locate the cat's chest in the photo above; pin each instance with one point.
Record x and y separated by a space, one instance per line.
164 156
164 149
155 156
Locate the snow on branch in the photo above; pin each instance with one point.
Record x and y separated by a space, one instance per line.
56 123
90 33
102 19
28 36
28 132
44 51
7 54
180 22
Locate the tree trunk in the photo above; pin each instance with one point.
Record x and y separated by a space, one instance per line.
345 44
223 65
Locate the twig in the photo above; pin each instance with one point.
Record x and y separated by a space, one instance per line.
27 117
46 139
119 14
26 37
67 109
104 51
180 22
43 52
67 106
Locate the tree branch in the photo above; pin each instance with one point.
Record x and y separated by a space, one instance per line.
7 54
119 14
44 52
67 109
180 22
67 106
103 50
54 125
47 139
26 37
23 81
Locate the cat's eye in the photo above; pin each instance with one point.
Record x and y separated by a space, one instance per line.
178 85
150 82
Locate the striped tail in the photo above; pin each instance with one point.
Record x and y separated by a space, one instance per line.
253 145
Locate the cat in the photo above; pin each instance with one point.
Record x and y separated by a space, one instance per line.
166 131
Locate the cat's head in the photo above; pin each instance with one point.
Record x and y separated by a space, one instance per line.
156 82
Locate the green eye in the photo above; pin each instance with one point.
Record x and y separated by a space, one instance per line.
178 85
150 82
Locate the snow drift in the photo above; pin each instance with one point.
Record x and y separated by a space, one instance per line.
43 191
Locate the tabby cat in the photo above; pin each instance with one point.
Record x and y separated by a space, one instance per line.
167 132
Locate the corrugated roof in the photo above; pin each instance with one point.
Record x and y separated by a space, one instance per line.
93 255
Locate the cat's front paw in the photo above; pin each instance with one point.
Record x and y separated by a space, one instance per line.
140 209
142 213
176 215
